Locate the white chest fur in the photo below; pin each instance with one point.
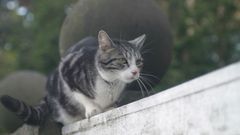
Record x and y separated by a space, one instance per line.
107 93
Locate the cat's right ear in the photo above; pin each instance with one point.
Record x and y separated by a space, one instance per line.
104 41
139 41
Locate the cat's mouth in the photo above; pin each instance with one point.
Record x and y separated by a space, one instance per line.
131 79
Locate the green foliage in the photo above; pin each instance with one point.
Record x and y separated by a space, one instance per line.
46 26
30 41
207 37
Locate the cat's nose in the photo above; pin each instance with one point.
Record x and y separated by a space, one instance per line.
134 72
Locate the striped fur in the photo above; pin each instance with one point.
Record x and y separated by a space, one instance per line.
89 80
30 115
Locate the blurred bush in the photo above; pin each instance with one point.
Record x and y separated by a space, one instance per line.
29 33
207 37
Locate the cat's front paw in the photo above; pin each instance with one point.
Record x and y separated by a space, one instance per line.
110 108
91 112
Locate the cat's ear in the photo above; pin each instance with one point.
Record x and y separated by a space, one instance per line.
139 41
104 41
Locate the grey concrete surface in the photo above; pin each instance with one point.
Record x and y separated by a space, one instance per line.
26 130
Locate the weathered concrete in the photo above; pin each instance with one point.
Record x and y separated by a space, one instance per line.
26 130
208 105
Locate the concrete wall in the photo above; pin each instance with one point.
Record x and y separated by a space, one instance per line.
26 130
208 105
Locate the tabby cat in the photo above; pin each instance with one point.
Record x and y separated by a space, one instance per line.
89 80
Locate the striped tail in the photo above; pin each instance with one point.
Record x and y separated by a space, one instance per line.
30 115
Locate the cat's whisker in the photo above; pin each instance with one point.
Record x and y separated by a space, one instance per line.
147 88
150 75
144 48
147 79
120 36
144 86
143 95
145 51
148 82
146 44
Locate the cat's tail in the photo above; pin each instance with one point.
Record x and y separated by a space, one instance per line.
29 114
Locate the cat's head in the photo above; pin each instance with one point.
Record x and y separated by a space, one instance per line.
119 59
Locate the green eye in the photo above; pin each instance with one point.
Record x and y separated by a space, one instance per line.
139 62
122 60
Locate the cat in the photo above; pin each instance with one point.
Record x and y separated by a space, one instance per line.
89 80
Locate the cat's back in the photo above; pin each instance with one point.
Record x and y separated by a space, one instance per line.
88 44
76 64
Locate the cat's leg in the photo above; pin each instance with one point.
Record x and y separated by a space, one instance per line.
111 107
92 109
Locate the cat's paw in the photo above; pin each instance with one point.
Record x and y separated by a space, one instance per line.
110 108
91 112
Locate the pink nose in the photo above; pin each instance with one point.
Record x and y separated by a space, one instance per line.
134 72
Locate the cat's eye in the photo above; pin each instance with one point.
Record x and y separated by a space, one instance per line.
122 60
139 62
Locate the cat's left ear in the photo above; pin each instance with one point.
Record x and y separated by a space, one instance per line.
105 43
139 41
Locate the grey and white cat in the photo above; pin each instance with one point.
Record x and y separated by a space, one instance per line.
89 80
